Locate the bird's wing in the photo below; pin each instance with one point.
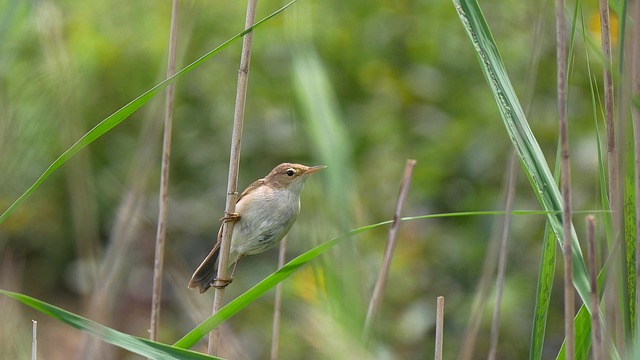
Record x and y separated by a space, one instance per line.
250 188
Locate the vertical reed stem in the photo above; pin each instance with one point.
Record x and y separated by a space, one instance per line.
439 327
378 291
561 56
275 336
158 265
34 341
612 152
612 156
502 259
234 165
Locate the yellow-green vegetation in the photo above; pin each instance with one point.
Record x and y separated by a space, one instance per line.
359 86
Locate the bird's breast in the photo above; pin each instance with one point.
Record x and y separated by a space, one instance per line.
265 218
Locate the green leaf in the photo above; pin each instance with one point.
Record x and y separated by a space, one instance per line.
272 280
582 325
140 346
528 150
262 287
116 118
162 351
582 320
543 294
545 285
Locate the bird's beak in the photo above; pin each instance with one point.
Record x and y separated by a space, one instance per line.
313 169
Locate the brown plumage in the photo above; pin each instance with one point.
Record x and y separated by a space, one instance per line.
265 212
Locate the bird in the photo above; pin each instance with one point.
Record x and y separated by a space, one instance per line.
265 212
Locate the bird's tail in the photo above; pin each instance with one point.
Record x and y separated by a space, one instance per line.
206 272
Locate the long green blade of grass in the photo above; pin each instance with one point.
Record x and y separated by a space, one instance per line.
131 342
527 147
272 280
582 320
544 286
543 294
263 286
625 146
137 345
582 324
629 223
116 118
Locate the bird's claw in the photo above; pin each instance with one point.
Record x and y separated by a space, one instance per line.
219 283
230 217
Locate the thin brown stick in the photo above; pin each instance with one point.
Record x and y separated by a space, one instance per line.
378 291
612 157
561 56
502 259
158 266
596 325
635 115
234 165
467 349
34 341
612 152
439 327
275 335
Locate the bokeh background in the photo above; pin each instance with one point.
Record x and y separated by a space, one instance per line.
360 86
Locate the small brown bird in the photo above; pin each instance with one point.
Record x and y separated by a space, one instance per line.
265 212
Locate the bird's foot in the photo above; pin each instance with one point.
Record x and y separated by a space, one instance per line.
230 217
219 283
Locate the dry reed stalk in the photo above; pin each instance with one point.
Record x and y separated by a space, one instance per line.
378 291
34 341
234 165
502 259
158 264
612 156
467 349
275 336
613 171
565 181
439 327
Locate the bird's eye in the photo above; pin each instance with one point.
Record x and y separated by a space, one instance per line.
290 172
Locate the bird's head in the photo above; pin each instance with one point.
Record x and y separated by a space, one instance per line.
290 176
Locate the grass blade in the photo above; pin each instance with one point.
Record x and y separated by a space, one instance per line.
153 349
140 346
582 323
116 118
289 268
543 294
545 286
262 287
527 147
378 290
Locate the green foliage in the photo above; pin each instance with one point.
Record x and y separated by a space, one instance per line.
357 86
534 162
543 295
116 118
140 346
157 350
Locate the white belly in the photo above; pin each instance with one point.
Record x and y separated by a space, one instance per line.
264 220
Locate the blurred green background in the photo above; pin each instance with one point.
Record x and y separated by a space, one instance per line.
359 86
